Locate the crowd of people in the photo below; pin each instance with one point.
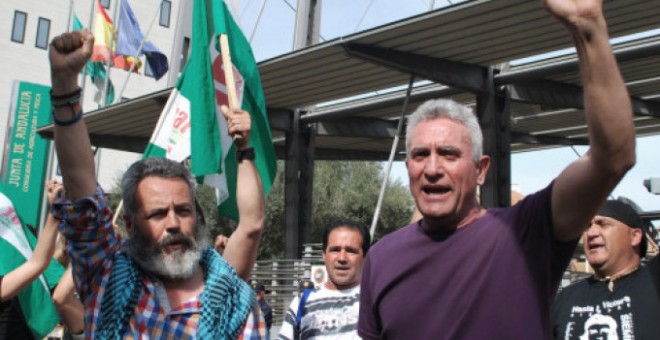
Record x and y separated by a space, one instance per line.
459 272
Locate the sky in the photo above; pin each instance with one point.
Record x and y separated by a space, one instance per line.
531 171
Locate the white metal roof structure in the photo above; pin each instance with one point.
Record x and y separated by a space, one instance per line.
481 33
342 99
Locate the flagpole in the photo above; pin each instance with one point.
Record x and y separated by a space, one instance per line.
137 53
228 70
395 143
256 23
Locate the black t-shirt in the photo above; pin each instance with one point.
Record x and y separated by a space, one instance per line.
589 310
12 322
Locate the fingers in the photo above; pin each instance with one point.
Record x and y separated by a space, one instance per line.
68 42
220 243
53 190
239 125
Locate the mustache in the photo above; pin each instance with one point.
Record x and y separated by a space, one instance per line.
170 239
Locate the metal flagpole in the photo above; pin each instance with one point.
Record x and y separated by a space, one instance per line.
139 49
386 178
256 23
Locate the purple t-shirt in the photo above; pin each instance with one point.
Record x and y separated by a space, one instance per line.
495 278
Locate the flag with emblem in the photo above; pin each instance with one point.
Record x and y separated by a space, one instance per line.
193 125
16 248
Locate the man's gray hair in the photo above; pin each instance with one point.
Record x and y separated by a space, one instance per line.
157 167
448 109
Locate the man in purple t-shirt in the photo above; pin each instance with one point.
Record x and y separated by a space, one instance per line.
464 272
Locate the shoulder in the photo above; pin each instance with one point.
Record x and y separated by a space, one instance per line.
394 240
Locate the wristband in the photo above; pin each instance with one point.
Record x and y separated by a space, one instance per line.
71 120
75 93
245 154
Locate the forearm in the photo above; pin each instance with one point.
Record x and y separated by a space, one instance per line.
608 110
16 280
243 245
69 307
68 54
74 155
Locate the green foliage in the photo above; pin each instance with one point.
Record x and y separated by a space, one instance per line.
342 189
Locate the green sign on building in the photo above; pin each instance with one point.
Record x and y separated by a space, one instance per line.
26 153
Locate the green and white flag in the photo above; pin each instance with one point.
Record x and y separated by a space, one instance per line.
193 125
16 247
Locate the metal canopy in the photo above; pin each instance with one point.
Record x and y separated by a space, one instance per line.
479 33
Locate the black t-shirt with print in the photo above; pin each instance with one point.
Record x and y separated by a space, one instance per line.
589 310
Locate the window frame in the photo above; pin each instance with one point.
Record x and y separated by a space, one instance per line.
36 39
13 27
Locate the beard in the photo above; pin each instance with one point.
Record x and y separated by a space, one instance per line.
179 264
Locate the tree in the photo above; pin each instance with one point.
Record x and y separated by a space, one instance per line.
341 189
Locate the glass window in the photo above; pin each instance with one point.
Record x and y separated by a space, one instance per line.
105 4
165 8
184 53
43 32
18 31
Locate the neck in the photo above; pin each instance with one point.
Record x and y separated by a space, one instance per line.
444 224
625 270
332 286
180 291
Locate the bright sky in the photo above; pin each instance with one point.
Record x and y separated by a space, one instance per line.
531 171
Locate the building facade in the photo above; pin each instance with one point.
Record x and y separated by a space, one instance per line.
28 27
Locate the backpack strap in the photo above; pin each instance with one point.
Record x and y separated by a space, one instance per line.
301 306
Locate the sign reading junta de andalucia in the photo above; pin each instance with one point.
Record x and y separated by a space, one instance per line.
25 152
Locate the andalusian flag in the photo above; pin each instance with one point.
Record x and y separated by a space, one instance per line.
15 248
192 119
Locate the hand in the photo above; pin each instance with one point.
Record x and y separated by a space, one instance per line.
574 13
238 123
53 190
220 243
68 54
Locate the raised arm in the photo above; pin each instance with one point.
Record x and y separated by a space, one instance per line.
68 53
69 308
16 280
583 186
241 249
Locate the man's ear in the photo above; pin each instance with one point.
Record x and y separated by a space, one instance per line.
128 224
482 169
637 237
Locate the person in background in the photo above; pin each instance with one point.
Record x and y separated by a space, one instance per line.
12 323
331 311
622 297
260 289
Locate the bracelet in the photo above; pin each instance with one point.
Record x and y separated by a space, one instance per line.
75 93
71 120
245 154
70 102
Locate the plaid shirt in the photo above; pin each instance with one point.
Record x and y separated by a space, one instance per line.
92 244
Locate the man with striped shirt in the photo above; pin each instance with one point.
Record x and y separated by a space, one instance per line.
331 311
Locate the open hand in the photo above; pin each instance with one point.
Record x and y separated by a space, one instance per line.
573 13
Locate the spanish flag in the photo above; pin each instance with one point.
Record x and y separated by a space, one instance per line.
105 33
